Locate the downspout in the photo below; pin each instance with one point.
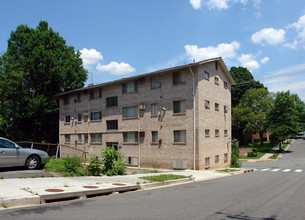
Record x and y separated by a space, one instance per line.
194 120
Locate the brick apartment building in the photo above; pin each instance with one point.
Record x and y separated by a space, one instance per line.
177 118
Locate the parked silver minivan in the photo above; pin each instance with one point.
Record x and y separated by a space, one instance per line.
11 154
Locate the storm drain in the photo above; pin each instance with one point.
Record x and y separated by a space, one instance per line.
54 190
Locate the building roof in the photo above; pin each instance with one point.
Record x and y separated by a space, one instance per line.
218 59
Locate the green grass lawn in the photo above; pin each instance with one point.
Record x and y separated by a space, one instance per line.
164 177
261 150
227 170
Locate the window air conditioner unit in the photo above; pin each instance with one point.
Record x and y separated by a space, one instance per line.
207 104
226 108
86 114
142 107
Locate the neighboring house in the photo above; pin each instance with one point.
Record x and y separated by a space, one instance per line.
173 118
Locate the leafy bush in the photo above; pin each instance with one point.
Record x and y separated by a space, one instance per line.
113 163
254 150
67 165
94 168
252 154
235 154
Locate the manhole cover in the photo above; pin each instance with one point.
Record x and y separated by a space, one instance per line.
54 190
119 184
90 187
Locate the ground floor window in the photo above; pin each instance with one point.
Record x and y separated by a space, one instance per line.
217 159
130 137
226 157
207 161
80 138
67 138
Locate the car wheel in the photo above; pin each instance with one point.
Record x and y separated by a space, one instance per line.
32 162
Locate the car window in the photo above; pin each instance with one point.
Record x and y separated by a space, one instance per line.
6 144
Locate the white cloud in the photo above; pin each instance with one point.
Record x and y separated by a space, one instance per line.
219 4
265 60
300 27
257 4
90 57
226 51
116 68
293 45
270 35
248 61
196 4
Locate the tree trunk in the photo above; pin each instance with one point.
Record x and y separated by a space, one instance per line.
261 136
280 146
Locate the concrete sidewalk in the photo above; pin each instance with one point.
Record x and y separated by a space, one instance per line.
35 191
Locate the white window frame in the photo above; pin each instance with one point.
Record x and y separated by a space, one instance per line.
67 118
130 87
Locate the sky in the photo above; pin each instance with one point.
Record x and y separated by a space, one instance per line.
122 38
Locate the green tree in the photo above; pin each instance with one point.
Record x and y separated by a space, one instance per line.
235 154
113 162
283 117
252 112
244 81
36 67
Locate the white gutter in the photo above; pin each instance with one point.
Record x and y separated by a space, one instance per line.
194 120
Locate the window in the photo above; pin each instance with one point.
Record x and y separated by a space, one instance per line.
217 159
78 97
67 138
216 133
216 107
226 158
207 161
154 82
79 117
207 104
130 137
206 75
216 65
180 136
225 85
179 77
96 138
216 80
154 109
179 107
112 101
207 132
66 100
130 87
112 125
130 112
95 93
67 119
6 144
225 133
154 136
95 116
80 138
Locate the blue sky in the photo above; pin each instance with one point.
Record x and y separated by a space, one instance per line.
121 38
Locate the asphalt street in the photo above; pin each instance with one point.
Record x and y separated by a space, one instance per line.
275 191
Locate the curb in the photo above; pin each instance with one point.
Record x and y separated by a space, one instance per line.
20 201
166 183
